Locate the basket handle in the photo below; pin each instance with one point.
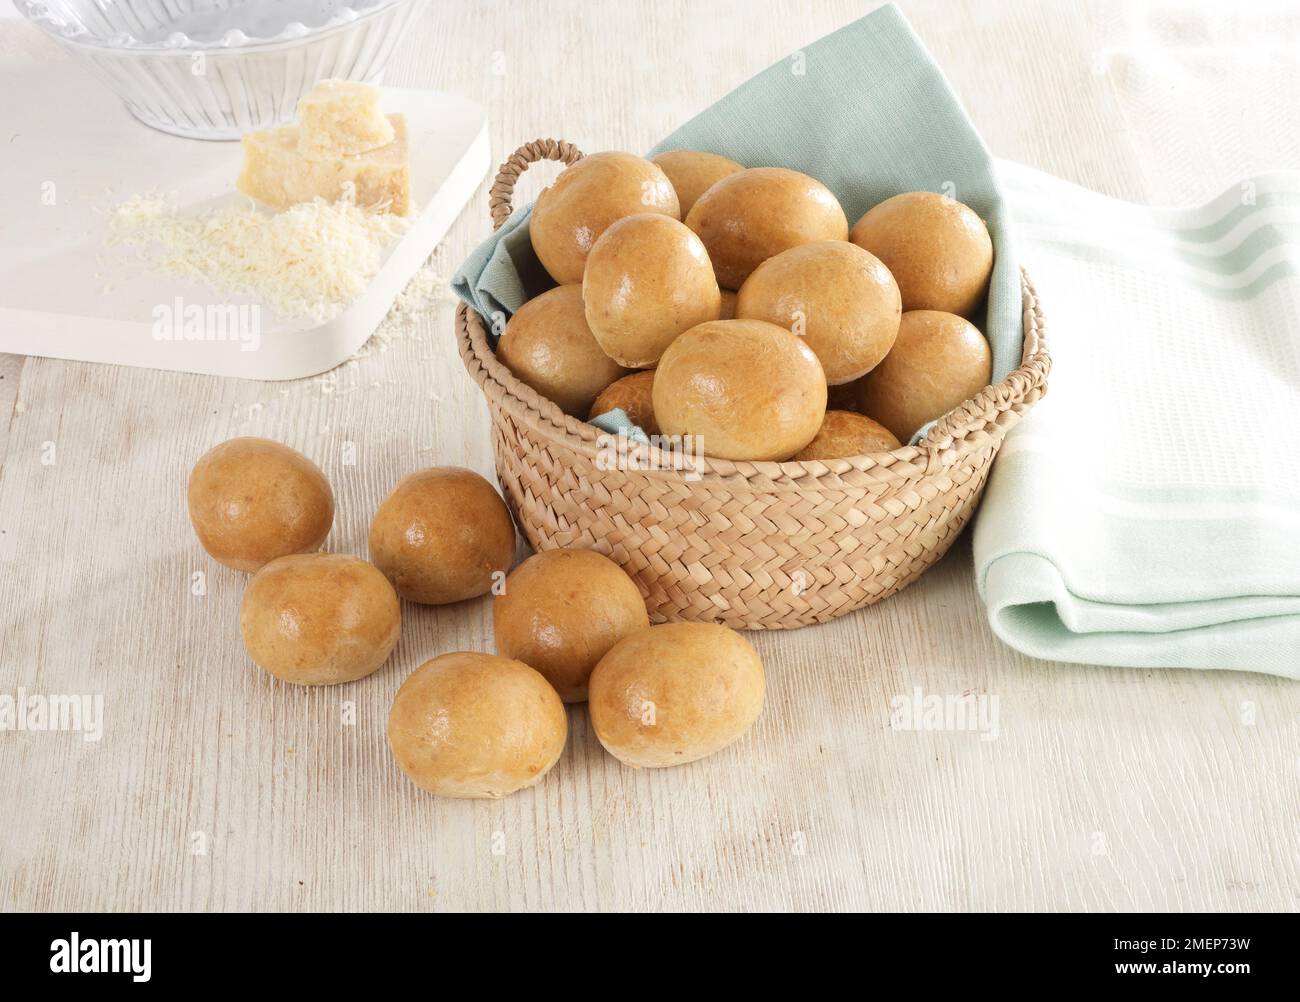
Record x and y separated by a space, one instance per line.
503 188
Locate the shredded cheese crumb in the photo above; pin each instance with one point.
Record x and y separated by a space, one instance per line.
308 262
426 287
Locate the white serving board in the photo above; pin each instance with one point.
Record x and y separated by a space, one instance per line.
70 150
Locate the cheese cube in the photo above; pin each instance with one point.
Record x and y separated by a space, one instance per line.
278 175
341 117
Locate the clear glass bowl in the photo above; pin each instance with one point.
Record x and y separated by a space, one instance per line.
215 69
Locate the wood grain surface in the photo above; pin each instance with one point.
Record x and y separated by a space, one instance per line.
215 787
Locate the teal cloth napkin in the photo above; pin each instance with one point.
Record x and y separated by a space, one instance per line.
1147 512
617 422
865 111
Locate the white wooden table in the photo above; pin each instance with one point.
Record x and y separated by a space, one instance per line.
215 788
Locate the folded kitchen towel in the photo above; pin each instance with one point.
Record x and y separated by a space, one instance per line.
866 112
1147 512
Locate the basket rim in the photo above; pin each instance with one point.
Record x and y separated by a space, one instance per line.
962 431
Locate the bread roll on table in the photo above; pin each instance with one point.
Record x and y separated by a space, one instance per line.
252 500
560 612
476 726
672 694
319 618
442 535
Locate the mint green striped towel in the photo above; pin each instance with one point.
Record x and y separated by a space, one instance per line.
1147 512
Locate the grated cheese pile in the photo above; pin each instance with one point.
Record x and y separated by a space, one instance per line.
308 262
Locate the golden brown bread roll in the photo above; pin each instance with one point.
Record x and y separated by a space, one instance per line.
937 249
442 535
838 297
939 361
561 611
692 173
748 217
728 305
746 389
476 725
844 434
672 694
252 500
548 346
648 279
633 395
585 199
319 618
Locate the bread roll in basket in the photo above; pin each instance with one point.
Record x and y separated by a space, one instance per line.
749 545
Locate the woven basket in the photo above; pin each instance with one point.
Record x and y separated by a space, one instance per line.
750 545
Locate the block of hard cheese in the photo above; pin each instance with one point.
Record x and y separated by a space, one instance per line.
341 117
276 174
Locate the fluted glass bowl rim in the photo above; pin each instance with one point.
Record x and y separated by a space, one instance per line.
233 40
